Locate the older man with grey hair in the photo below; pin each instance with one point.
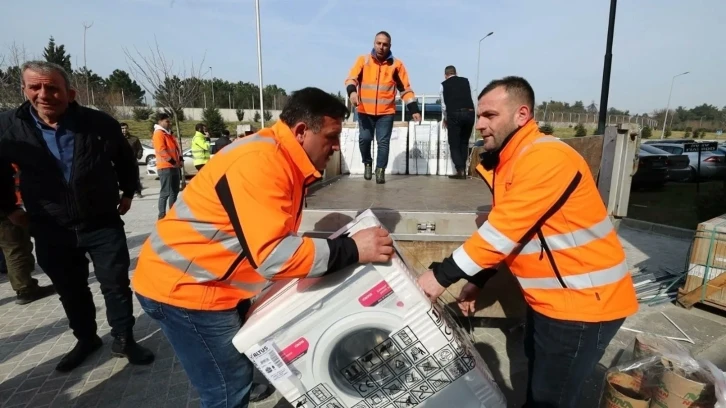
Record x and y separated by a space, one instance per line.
73 162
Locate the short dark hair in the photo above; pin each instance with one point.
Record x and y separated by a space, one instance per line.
310 105
162 116
450 70
516 87
384 33
199 126
225 132
123 124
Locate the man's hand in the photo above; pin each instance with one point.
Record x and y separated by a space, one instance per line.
19 218
354 99
416 117
430 285
124 206
374 245
467 299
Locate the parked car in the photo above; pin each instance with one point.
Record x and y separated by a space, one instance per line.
652 169
147 154
189 169
713 164
678 164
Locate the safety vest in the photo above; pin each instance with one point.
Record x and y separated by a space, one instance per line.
549 225
19 199
234 227
201 149
166 147
377 82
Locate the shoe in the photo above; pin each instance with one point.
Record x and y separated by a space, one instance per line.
460 175
139 195
125 346
32 295
260 392
161 217
380 176
368 173
79 354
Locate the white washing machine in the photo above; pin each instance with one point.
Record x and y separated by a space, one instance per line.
366 337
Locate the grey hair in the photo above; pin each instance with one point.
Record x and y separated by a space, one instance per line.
45 67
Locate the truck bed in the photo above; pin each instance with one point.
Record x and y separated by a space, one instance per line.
403 193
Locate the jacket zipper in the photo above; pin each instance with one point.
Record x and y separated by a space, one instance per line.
551 258
378 86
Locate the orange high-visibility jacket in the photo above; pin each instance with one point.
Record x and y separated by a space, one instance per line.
234 228
549 225
19 201
376 83
166 146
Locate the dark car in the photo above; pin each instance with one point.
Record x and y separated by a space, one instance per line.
713 164
652 170
678 164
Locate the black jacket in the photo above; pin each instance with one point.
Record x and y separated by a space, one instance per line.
103 164
220 143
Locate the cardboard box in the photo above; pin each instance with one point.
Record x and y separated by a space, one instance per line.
707 265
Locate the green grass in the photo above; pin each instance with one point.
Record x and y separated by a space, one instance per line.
678 204
142 129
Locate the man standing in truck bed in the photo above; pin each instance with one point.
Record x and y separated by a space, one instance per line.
371 86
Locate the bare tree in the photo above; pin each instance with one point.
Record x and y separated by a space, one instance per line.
11 91
173 87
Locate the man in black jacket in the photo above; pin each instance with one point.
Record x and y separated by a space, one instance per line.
223 141
457 110
73 161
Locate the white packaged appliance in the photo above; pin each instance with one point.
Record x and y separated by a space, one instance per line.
365 337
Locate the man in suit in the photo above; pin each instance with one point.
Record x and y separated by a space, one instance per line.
457 110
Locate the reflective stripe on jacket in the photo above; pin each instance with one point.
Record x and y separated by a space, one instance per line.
377 82
166 146
549 225
201 149
234 227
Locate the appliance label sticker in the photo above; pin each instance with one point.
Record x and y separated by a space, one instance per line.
269 362
376 295
295 350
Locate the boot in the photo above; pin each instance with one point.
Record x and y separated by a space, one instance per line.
460 175
39 292
380 176
76 357
368 173
126 346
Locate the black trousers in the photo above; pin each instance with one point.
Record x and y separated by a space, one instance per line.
61 252
170 180
459 125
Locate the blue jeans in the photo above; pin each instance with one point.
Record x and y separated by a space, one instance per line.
562 354
202 340
382 126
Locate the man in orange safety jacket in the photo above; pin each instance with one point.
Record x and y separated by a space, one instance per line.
549 225
233 230
168 162
371 86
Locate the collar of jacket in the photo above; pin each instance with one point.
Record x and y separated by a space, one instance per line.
388 58
296 151
199 134
157 127
23 111
512 145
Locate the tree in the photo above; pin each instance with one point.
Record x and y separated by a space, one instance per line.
257 117
214 121
580 130
173 88
142 113
57 54
267 116
546 128
11 94
121 83
592 108
668 132
647 132
240 114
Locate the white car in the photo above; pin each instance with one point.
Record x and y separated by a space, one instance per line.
189 169
147 154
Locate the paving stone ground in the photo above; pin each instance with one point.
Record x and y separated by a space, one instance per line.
35 336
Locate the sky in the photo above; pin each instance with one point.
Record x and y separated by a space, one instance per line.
558 45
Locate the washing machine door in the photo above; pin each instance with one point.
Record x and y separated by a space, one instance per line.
350 357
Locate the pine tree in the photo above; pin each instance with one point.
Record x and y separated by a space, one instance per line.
213 119
57 54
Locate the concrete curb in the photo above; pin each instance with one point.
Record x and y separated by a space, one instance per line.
659 229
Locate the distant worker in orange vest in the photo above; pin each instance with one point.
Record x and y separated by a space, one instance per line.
168 162
234 230
549 225
371 87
